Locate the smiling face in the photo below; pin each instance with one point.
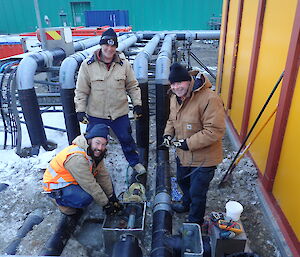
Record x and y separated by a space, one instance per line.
98 146
180 88
108 52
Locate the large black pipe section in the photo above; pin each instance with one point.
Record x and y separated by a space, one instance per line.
140 67
67 74
27 95
33 219
127 246
162 218
56 243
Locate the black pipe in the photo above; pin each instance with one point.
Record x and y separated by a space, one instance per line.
162 218
33 119
162 111
162 226
142 127
56 243
72 124
3 186
32 220
127 246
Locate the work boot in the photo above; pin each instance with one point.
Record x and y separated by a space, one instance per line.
139 168
179 207
65 209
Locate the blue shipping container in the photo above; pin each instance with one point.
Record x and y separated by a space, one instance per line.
111 18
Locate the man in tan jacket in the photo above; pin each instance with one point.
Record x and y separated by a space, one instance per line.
76 176
197 122
103 83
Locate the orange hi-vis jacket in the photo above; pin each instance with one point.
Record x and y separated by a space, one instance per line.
56 176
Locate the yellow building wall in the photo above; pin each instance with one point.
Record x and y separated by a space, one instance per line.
276 35
243 62
287 181
221 43
231 28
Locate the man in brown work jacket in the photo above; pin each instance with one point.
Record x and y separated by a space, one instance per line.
197 122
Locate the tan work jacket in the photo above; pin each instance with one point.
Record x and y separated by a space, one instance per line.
200 119
102 93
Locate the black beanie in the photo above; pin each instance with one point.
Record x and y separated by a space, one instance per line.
109 37
99 130
178 73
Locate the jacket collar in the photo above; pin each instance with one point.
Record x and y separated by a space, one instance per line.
118 57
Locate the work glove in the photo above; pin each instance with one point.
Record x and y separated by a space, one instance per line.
181 143
81 117
113 206
137 112
166 142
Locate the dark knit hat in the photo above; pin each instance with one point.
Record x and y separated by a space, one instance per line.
99 130
178 73
109 37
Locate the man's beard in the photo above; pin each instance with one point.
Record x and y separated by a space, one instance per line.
97 159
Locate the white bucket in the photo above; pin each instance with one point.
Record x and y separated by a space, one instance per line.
233 210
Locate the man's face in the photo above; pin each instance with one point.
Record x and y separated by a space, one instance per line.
108 51
180 88
98 146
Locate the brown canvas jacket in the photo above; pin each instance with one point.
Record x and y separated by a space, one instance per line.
103 93
200 119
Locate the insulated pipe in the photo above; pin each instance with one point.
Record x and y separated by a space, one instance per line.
33 219
27 95
127 246
140 67
185 35
162 218
56 243
67 74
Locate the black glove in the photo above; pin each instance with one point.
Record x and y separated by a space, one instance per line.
113 206
81 117
166 142
181 143
137 112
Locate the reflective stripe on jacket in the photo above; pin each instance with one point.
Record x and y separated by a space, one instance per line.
56 176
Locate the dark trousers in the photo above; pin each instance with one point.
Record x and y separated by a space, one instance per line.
72 196
121 127
194 183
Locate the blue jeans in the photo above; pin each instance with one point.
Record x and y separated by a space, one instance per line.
194 183
72 196
121 127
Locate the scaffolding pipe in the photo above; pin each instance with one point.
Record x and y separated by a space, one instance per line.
140 67
162 218
67 81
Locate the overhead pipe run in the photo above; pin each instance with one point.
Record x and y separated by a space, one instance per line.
185 35
67 81
27 95
140 67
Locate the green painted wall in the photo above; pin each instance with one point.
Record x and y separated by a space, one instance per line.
18 16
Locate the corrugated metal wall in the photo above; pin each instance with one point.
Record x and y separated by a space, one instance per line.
265 46
19 16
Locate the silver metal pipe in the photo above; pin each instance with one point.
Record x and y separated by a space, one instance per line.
163 61
184 34
140 64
